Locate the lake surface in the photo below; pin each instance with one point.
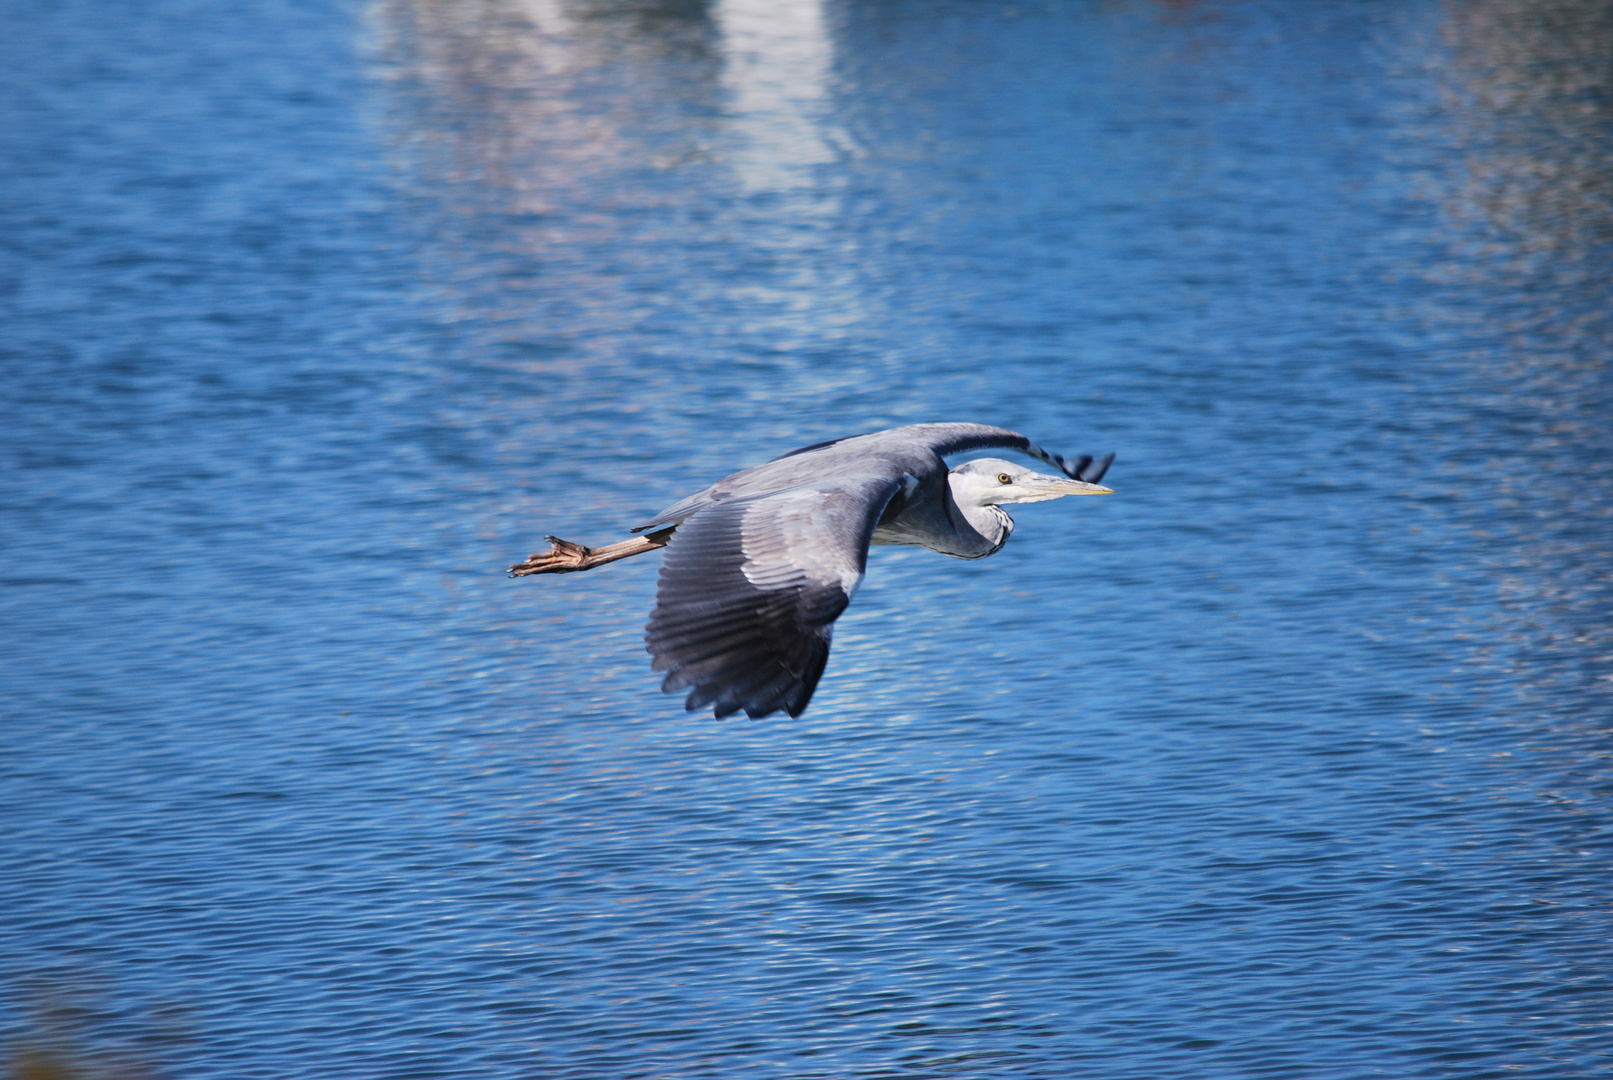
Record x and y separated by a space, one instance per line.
1293 758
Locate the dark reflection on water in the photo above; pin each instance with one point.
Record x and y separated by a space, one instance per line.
1290 759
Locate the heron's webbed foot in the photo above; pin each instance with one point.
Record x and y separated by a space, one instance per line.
564 557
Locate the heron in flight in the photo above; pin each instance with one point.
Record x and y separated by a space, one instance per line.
761 563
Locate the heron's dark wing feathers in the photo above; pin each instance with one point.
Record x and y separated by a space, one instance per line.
958 438
750 589
1086 467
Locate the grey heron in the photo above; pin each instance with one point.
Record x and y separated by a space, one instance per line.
761 563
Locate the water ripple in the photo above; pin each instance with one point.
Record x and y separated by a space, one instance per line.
1291 759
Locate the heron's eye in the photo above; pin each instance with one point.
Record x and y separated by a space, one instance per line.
1004 478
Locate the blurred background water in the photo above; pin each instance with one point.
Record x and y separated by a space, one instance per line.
1290 759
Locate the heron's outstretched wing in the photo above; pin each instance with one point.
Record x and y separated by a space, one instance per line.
915 449
750 589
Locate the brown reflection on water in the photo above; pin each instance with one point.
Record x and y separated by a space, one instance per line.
1530 95
79 1031
525 127
1524 301
539 98
587 107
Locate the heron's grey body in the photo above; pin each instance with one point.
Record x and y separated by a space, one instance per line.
761 563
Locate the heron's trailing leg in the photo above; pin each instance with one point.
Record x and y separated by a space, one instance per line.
564 557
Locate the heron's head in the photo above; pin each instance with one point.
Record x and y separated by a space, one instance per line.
993 481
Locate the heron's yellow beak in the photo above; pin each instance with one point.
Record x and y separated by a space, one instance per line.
1043 487
1058 485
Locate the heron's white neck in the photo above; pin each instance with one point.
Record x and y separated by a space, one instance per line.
989 520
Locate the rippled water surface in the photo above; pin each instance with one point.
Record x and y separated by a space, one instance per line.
1291 759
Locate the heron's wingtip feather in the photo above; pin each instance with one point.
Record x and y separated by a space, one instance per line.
1092 469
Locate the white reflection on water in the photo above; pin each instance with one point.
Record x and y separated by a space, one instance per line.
776 71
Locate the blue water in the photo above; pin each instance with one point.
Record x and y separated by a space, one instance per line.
1293 758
